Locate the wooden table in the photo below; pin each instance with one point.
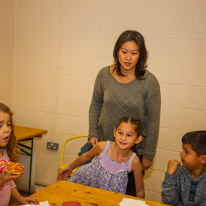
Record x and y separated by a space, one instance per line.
27 134
63 191
24 133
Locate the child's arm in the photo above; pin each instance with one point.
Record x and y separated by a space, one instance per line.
139 184
83 159
6 177
170 186
22 200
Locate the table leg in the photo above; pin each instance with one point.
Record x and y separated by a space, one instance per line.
30 169
29 153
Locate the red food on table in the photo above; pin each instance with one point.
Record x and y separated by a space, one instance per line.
71 203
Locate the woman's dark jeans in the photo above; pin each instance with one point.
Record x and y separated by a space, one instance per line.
131 189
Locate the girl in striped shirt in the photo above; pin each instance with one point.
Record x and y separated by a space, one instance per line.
106 166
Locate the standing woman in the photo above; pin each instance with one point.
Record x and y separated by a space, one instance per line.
127 89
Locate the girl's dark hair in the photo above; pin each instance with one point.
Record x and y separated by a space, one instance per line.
197 140
137 126
11 146
132 36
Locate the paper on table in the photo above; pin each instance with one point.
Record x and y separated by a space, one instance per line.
132 202
46 203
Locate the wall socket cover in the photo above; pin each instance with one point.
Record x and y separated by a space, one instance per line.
52 145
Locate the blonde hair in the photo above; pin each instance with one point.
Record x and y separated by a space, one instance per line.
11 147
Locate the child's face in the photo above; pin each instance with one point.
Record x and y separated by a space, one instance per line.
125 136
189 157
5 128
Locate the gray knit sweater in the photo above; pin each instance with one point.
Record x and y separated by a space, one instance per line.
181 189
113 100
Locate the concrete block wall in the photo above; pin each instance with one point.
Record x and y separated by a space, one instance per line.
60 45
7 21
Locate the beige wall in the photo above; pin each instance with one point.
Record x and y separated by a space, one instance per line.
60 45
7 19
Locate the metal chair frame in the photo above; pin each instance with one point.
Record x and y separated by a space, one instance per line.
62 166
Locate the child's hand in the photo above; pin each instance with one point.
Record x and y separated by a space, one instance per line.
27 200
64 173
172 166
5 177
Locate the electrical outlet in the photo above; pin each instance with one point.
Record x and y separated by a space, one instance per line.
52 146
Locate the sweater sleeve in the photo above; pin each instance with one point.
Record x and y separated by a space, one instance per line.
152 109
170 189
96 105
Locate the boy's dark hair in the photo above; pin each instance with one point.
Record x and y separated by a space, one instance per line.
132 36
197 140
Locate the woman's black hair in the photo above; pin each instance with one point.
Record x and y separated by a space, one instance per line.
132 36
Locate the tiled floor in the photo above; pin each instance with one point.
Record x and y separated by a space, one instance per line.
38 187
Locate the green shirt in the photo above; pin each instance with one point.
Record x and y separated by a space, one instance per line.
113 100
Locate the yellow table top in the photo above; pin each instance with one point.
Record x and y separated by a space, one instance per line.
23 133
63 191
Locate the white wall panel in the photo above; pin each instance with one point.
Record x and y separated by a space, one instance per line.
59 46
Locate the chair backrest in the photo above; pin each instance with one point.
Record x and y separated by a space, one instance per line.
62 166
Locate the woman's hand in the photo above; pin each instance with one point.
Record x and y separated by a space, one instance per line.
93 141
146 163
64 173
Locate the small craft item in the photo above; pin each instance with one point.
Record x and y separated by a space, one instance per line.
71 203
2 165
